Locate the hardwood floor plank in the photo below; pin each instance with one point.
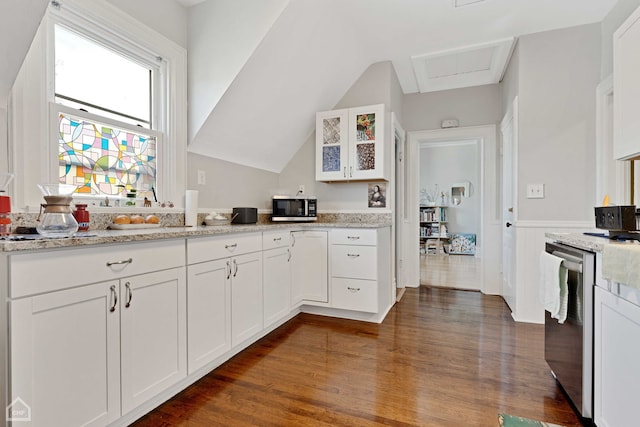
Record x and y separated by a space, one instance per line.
441 358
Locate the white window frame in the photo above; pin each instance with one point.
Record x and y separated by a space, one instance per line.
34 149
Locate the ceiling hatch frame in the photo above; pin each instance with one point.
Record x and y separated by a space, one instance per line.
473 65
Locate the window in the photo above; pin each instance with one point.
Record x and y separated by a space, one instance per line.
101 158
100 102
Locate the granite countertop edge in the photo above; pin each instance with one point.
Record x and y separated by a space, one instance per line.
100 237
586 242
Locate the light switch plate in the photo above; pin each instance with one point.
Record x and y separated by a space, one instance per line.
202 177
535 191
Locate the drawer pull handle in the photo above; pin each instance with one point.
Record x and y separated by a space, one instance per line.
289 252
114 298
277 239
129 294
353 289
353 255
228 270
235 245
235 265
126 261
353 237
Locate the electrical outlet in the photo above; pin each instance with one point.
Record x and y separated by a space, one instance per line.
535 191
202 177
301 189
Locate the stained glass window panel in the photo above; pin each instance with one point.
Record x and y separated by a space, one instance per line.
103 160
331 130
366 127
331 158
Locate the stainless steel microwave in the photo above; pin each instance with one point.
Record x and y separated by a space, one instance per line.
288 208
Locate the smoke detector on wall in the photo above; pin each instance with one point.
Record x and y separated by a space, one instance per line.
474 65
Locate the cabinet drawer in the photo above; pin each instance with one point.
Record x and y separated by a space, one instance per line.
40 272
354 294
201 249
354 261
275 239
354 236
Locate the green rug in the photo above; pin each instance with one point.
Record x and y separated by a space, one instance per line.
507 420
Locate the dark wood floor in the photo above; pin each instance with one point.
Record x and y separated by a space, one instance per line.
441 358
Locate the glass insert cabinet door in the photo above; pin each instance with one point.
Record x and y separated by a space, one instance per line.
350 144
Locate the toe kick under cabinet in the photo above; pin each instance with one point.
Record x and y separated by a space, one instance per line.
360 269
95 332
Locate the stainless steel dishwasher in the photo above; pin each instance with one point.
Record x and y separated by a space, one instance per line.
569 345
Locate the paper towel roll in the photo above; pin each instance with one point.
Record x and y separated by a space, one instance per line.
191 208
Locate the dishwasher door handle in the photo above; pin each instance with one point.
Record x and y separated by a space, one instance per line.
570 262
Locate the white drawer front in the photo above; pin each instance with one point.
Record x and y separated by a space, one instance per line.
40 272
354 294
354 261
275 239
354 236
201 249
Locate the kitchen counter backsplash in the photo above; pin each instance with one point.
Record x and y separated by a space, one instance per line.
101 220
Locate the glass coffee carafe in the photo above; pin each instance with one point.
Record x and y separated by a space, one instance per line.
57 219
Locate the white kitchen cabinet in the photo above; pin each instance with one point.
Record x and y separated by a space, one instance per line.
241 268
276 267
65 356
626 87
350 144
209 312
616 356
153 334
88 354
354 269
309 267
246 297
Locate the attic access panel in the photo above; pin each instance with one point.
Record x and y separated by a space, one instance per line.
474 65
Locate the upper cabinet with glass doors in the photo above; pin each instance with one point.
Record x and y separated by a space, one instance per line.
350 144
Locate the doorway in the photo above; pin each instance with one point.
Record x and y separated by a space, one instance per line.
488 239
449 213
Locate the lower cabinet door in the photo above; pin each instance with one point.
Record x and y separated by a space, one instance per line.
246 296
616 360
277 284
65 357
309 267
208 312
153 334
355 294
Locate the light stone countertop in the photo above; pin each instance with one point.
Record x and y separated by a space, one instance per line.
585 242
100 237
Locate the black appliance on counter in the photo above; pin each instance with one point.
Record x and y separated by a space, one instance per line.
620 221
244 216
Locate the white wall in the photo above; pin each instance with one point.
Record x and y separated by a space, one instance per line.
473 106
219 46
558 74
454 162
230 185
167 17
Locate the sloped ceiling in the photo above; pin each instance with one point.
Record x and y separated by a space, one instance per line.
21 19
305 54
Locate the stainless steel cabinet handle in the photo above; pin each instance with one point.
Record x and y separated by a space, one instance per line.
293 240
344 172
289 252
235 265
353 237
228 269
129 294
114 298
235 245
350 171
126 261
353 289
277 239
353 255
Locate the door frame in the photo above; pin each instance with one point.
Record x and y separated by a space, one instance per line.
400 223
489 238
